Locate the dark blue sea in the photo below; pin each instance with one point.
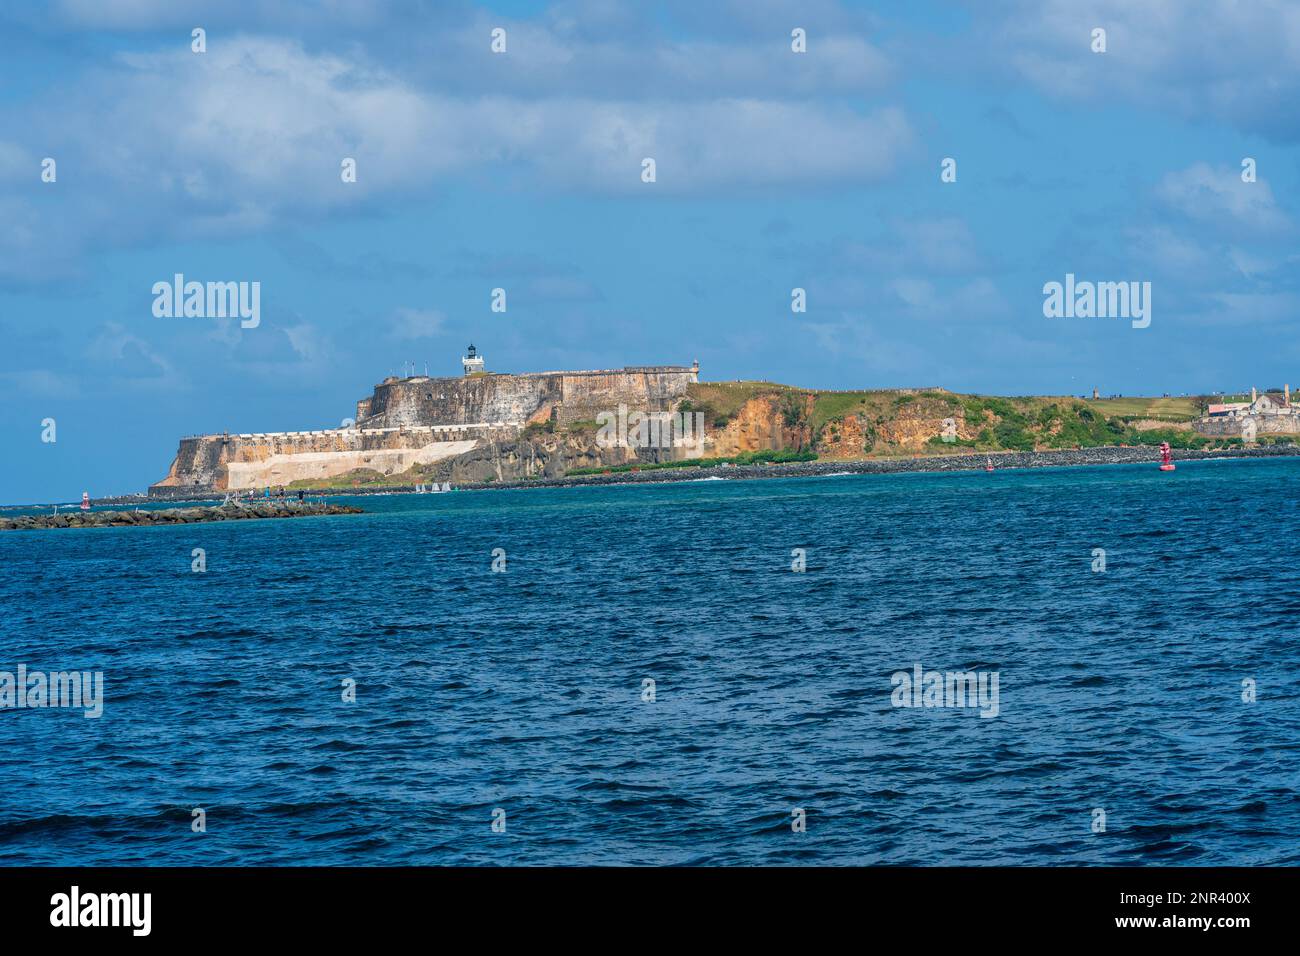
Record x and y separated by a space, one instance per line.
523 690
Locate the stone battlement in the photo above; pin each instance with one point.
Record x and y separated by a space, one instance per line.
421 420
253 460
435 429
1272 424
522 399
655 369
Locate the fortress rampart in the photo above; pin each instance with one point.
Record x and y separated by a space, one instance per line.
520 399
238 462
1234 427
418 421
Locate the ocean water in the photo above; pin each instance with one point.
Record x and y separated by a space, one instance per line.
523 690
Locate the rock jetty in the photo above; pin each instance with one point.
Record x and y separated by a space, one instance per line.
1103 455
73 518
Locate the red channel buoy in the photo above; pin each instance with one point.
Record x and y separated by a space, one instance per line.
1165 463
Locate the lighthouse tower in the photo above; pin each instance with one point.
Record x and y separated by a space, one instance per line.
472 361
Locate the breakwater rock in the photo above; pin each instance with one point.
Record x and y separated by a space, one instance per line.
123 518
1108 455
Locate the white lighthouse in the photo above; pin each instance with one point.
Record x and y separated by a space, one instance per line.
472 361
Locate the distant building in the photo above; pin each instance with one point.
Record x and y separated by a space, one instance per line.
1265 404
1227 409
1264 413
1271 405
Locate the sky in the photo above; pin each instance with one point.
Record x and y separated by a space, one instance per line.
522 170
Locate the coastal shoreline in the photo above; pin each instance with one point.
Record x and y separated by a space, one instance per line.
1103 455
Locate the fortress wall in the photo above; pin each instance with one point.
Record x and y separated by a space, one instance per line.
419 420
199 463
283 469
518 399
1264 425
237 462
454 401
585 395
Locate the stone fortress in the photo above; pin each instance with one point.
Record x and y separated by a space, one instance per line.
420 420
1264 414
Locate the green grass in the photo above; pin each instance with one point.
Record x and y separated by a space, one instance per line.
362 477
837 405
1162 409
1019 423
1177 438
744 458
537 429
725 399
958 446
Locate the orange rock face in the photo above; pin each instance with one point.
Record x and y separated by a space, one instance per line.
760 425
846 438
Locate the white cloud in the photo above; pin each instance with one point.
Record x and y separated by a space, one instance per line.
1237 62
307 342
288 350
160 144
943 246
1249 264
127 358
269 122
42 383
890 359
559 288
1170 251
1247 308
411 324
1219 197
922 299
16 163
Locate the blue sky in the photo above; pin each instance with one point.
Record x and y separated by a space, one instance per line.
522 171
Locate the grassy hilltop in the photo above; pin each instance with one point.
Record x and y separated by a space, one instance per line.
910 421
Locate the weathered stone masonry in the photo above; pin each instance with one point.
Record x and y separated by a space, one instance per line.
418 421
520 399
